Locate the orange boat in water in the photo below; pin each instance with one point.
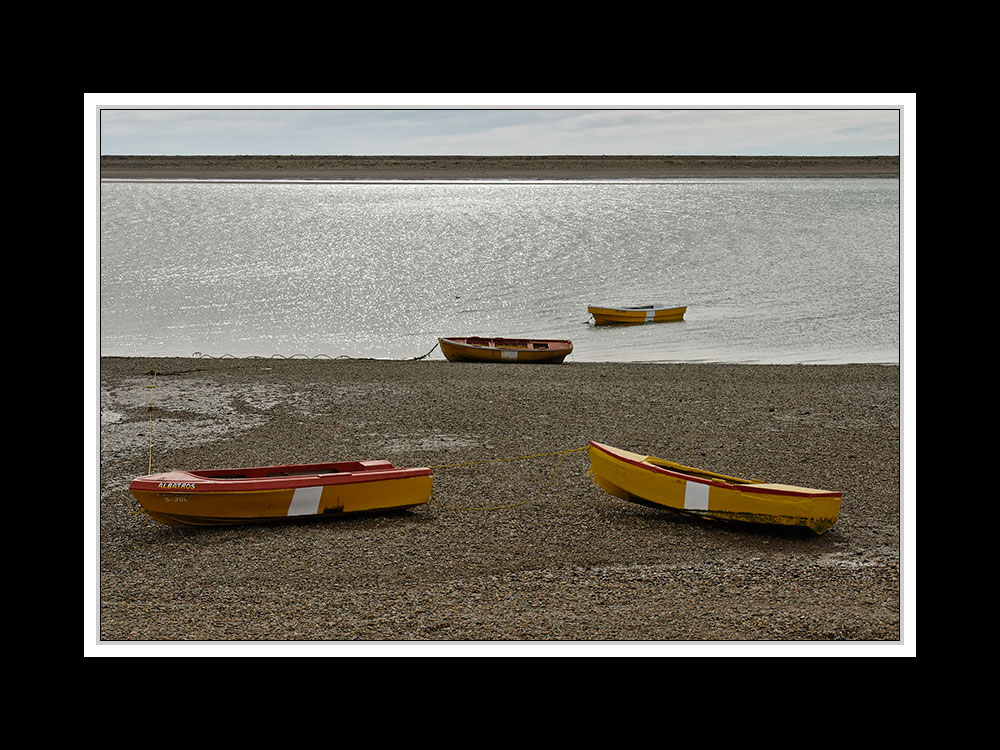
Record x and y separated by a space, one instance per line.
269 493
485 349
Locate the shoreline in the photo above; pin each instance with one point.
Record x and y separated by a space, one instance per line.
569 362
285 167
573 564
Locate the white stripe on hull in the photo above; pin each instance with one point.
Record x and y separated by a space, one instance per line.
305 501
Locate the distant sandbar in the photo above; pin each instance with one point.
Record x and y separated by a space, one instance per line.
491 167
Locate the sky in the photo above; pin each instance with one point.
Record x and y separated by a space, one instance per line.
480 124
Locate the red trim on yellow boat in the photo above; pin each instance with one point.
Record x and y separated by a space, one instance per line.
227 496
270 478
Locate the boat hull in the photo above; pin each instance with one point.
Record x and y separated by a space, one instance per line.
238 496
654 482
636 315
523 351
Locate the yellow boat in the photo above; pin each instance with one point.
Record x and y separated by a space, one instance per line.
267 493
654 313
658 483
496 349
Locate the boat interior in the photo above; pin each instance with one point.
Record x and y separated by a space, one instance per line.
301 470
699 473
508 343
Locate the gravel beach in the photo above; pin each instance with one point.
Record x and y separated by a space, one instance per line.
478 563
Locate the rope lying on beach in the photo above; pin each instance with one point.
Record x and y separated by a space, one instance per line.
561 454
199 355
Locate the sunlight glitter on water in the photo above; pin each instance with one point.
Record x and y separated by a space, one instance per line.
771 270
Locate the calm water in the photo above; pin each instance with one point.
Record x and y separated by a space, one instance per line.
772 271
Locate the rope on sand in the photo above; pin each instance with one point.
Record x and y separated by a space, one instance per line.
199 355
561 454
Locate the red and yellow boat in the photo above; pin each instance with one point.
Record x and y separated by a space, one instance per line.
495 349
659 483
267 493
654 313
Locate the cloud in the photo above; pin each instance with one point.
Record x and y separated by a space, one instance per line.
500 131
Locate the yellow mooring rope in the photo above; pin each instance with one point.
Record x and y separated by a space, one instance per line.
561 454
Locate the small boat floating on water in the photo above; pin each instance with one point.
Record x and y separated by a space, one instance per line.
659 483
268 493
495 349
653 313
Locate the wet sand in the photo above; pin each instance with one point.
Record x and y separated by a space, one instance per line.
487 167
571 565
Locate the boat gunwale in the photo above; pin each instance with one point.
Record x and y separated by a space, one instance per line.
655 307
188 481
763 489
